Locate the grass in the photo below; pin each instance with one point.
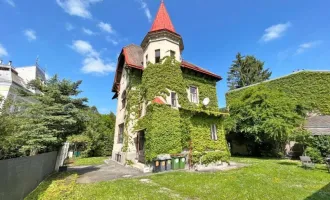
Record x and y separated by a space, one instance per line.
262 179
87 161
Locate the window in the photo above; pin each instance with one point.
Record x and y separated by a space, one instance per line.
173 99
123 99
147 59
157 56
214 135
172 53
120 133
193 94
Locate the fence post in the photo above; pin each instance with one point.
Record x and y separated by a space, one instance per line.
62 155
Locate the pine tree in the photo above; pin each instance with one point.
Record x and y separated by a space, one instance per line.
245 71
55 115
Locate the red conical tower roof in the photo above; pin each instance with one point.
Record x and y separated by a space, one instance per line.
162 20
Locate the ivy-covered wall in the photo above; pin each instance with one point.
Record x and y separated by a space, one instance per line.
204 149
170 130
133 101
163 131
206 88
310 88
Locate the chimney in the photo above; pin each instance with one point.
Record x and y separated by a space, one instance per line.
10 63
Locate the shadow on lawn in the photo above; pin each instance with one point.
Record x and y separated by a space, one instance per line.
83 170
323 193
288 163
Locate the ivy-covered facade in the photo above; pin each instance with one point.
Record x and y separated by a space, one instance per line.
310 89
166 105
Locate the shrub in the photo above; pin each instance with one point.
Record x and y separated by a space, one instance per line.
322 143
315 154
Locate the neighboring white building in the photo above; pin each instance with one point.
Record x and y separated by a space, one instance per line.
12 79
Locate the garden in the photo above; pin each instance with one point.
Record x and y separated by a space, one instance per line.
260 179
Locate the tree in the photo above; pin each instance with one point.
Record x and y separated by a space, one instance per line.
97 138
55 115
265 114
245 71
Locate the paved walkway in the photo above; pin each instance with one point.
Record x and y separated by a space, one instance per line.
105 172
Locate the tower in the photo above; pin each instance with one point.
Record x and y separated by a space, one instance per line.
162 40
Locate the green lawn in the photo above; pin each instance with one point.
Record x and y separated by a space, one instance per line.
88 161
263 179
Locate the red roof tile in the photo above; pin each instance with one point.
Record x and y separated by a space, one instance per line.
188 65
162 20
133 56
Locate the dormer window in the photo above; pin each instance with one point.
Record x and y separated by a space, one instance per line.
193 94
157 56
172 54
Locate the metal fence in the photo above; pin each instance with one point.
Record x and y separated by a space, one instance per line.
20 176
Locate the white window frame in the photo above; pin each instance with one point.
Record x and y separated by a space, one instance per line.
175 102
196 99
157 56
174 53
214 135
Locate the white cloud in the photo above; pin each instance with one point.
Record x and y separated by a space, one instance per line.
92 63
69 27
77 7
303 47
84 48
114 42
88 31
10 2
3 51
97 65
105 27
145 8
275 31
30 34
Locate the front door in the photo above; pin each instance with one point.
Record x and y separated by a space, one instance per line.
140 146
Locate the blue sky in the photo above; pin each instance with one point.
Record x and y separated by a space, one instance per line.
81 39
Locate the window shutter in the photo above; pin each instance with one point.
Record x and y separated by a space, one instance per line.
214 135
215 132
212 132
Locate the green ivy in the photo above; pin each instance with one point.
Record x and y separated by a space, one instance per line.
163 131
205 149
310 89
133 96
170 130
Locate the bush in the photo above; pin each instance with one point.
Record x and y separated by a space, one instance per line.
322 143
315 154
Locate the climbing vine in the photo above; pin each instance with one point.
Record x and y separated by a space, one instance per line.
310 89
170 130
133 96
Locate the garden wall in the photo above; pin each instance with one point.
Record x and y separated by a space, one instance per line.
20 176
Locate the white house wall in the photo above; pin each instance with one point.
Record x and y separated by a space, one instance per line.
165 45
